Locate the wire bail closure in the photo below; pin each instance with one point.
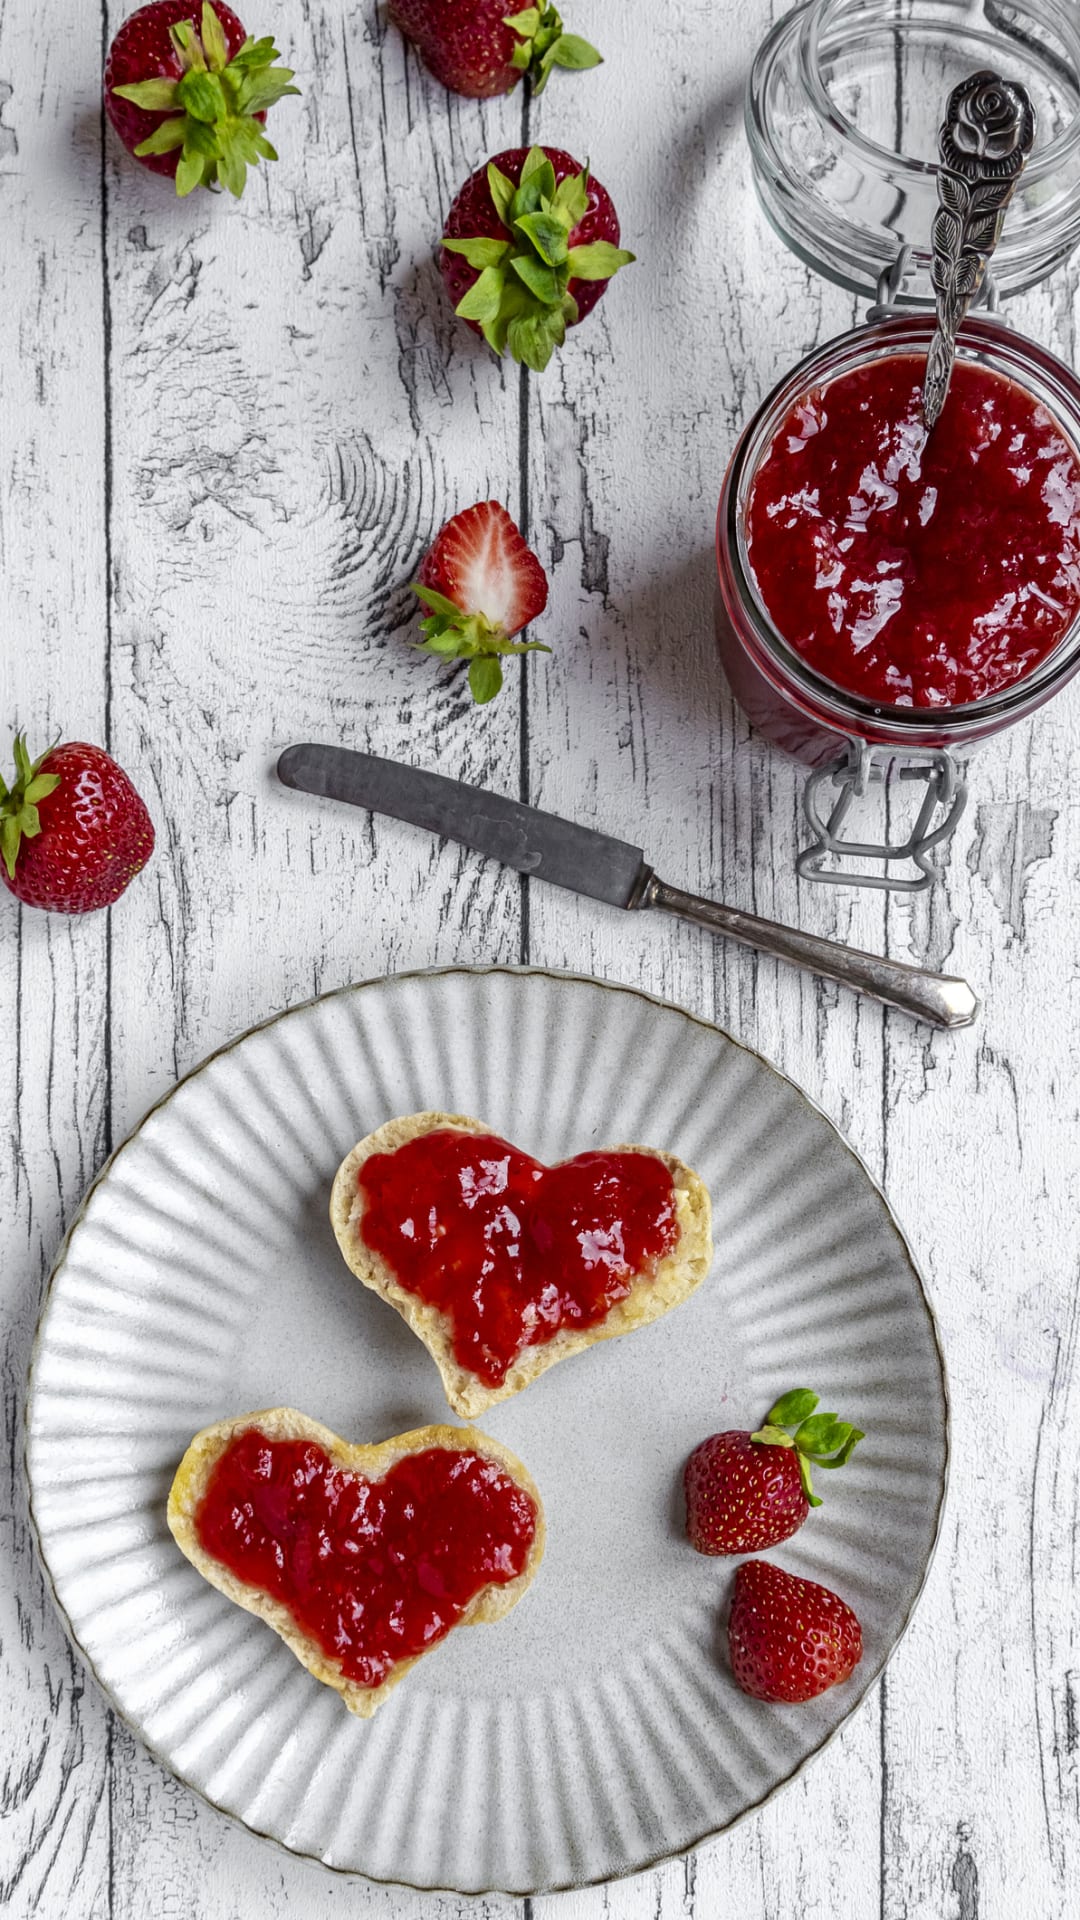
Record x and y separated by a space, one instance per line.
937 819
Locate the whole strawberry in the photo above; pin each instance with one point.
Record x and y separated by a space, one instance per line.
531 242
748 1491
789 1639
73 830
187 92
476 49
482 584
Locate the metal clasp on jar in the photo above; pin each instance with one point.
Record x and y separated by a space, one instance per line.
937 818
892 280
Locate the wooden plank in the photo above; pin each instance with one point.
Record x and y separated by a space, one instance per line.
54 1779
295 414
631 726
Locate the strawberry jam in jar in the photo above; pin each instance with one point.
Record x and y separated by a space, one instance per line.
882 586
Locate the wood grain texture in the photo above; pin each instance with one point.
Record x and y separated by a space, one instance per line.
228 435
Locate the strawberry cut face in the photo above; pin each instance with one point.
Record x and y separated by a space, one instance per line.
511 1251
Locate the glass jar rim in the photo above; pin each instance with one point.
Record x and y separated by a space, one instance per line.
985 340
820 17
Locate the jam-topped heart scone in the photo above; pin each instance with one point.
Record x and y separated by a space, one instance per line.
502 1265
361 1557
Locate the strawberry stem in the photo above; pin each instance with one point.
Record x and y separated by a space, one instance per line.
19 818
454 635
818 1437
542 45
214 107
520 299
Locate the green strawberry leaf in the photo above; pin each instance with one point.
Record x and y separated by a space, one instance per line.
807 1483
598 261
482 301
188 46
213 39
540 280
526 646
164 138
792 1407
39 789
485 678
813 1434
438 602
203 97
847 1448
11 832
153 96
537 162
479 253
770 1436
189 172
502 192
572 198
525 23
572 52
533 341
547 232
446 643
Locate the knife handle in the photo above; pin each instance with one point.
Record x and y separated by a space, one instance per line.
938 998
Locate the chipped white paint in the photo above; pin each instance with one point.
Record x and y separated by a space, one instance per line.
226 436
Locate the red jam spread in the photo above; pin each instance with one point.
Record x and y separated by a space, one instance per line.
375 1571
918 572
509 1249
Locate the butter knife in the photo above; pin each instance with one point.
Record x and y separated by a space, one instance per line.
567 855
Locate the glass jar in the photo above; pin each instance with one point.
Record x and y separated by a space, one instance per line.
785 698
843 106
842 112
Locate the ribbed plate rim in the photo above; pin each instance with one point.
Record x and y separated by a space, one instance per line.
478 972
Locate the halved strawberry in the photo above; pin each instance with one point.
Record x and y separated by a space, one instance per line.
530 244
474 47
482 584
187 91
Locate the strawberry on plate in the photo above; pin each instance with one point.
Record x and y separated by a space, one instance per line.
474 47
481 584
187 91
789 1639
73 830
531 241
748 1491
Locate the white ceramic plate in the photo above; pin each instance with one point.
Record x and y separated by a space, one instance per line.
597 1729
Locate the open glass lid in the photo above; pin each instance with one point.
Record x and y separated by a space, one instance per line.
843 109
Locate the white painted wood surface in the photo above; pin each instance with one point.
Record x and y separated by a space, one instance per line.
226 435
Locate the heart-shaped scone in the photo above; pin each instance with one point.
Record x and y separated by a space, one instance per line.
361 1557
502 1265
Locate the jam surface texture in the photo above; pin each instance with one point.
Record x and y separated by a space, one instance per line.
918 572
509 1249
374 1571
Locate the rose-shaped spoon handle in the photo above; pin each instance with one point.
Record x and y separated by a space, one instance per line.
989 131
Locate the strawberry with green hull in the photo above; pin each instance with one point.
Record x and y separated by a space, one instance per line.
478 48
789 1639
531 242
187 91
481 585
73 830
748 1491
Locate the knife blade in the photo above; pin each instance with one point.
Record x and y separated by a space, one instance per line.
588 862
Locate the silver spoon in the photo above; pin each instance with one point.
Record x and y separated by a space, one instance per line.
984 143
